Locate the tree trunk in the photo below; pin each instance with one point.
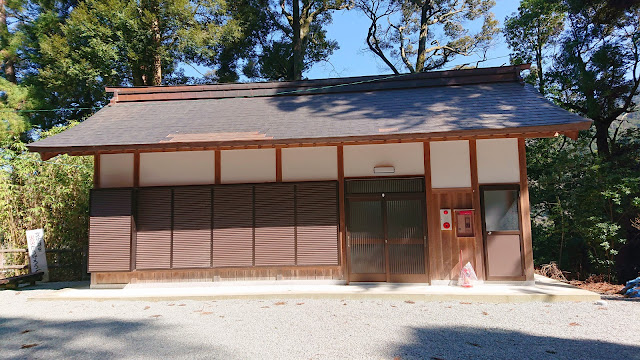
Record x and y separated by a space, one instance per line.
602 138
137 74
541 85
151 66
9 63
424 32
157 56
297 42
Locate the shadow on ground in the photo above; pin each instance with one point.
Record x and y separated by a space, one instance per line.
53 286
480 343
29 338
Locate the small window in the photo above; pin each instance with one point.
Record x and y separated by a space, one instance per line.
501 210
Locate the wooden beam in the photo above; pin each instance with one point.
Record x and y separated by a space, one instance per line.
341 209
96 171
278 164
475 200
218 167
48 155
136 169
526 211
432 214
573 135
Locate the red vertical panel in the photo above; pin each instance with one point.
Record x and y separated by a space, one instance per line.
110 230
317 223
191 227
153 223
274 224
233 225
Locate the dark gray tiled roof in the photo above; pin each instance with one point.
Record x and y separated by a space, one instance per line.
502 105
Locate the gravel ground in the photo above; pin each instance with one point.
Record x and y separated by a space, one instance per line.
315 329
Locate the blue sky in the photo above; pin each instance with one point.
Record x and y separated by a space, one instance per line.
349 29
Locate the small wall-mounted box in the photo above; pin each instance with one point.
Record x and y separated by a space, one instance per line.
464 223
445 219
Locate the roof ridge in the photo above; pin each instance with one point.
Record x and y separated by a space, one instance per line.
321 86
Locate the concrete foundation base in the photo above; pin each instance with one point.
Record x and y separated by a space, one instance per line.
544 290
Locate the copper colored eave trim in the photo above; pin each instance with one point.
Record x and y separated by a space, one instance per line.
526 132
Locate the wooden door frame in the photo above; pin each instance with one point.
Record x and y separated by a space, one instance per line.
520 232
420 196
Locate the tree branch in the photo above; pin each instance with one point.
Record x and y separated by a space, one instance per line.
374 45
403 52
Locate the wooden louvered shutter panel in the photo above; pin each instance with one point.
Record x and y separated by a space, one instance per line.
317 224
153 224
110 230
274 232
191 227
233 225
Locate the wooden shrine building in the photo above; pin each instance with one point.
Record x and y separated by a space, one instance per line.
380 178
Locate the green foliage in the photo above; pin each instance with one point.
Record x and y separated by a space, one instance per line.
529 34
71 58
13 98
53 195
582 205
584 198
272 57
596 71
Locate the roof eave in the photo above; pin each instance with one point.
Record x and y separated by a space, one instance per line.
570 130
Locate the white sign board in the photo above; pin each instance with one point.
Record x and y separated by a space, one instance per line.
37 255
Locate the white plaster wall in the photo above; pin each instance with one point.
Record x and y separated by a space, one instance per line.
116 170
310 163
177 168
408 159
247 166
450 164
498 161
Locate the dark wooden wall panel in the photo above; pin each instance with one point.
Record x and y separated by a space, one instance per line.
153 224
110 230
274 224
233 225
191 227
317 224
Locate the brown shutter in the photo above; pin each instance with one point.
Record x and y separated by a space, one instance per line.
153 224
233 225
317 223
110 230
275 225
191 227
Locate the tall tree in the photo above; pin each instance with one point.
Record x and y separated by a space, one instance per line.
296 39
9 40
425 35
537 25
597 70
120 42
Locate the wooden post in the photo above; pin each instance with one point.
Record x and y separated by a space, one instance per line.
96 170
431 253
136 169
341 209
278 164
218 167
526 211
475 188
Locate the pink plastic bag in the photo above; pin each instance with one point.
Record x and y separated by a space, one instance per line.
467 276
